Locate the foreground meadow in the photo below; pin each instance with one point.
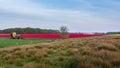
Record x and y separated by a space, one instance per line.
94 52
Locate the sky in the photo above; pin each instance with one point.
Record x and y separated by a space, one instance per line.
76 15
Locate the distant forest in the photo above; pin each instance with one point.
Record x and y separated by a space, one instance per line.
113 33
29 30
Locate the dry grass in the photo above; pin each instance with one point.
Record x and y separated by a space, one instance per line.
34 65
107 46
94 52
73 51
87 62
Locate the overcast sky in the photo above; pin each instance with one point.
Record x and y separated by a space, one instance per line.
77 15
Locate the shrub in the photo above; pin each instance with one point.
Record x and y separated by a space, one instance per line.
111 56
50 51
8 56
31 51
16 49
38 47
19 62
31 65
86 62
39 55
35 65
73 51
60 58
107 46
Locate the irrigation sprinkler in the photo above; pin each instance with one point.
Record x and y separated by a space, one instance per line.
14 35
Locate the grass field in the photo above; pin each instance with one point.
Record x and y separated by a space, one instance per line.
18 42
94 52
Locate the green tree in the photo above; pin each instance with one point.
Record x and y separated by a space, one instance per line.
64 32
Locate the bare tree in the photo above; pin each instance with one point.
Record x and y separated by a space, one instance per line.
64 32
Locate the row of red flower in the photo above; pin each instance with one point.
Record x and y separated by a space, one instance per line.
49 36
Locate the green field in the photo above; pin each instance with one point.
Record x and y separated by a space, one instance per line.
18 42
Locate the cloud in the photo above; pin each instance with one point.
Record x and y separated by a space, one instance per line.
24 13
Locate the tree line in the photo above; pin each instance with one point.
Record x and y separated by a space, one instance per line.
29 30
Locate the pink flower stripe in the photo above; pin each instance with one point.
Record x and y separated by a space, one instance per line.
49 36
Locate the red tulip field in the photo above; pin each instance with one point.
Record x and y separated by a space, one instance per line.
49 36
